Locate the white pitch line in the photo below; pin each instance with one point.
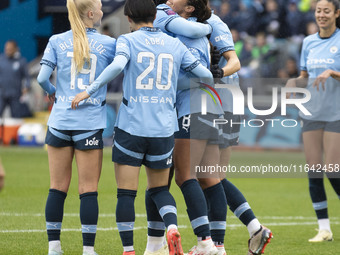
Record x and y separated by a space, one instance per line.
232 226
112 215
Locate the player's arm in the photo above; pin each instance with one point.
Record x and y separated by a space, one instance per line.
181 26
44 79
232 66
299 82
321 79
109 73
200 72
335 74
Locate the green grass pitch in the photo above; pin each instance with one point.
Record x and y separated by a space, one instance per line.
282 204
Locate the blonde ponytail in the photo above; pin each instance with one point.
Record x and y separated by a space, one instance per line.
81 49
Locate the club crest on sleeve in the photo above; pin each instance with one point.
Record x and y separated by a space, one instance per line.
170 12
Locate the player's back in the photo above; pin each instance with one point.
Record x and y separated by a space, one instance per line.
60 53
150 81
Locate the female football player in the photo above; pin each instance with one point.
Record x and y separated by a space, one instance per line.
147 120
320 74
79 55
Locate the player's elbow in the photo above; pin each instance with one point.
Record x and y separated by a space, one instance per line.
238 66
117 65
120 69
41 79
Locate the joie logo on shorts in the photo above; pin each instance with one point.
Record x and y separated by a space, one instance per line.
91 142
169 161
186 123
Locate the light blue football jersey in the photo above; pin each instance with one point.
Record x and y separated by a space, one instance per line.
91 114
164 16
150 81
173 24
222 39
317 55
190 100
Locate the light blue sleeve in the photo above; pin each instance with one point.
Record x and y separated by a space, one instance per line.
303 57
44 79
50 54
201 72
181 26
109 73
221 36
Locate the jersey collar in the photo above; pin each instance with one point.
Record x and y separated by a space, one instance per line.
150 29
336 30
163 7
91 29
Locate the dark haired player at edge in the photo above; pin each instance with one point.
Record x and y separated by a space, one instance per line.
321 129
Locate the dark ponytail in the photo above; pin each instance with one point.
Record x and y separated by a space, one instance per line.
202 11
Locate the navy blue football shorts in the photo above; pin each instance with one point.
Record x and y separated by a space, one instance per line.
153 152
329 126
199 127
79 139
231 130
